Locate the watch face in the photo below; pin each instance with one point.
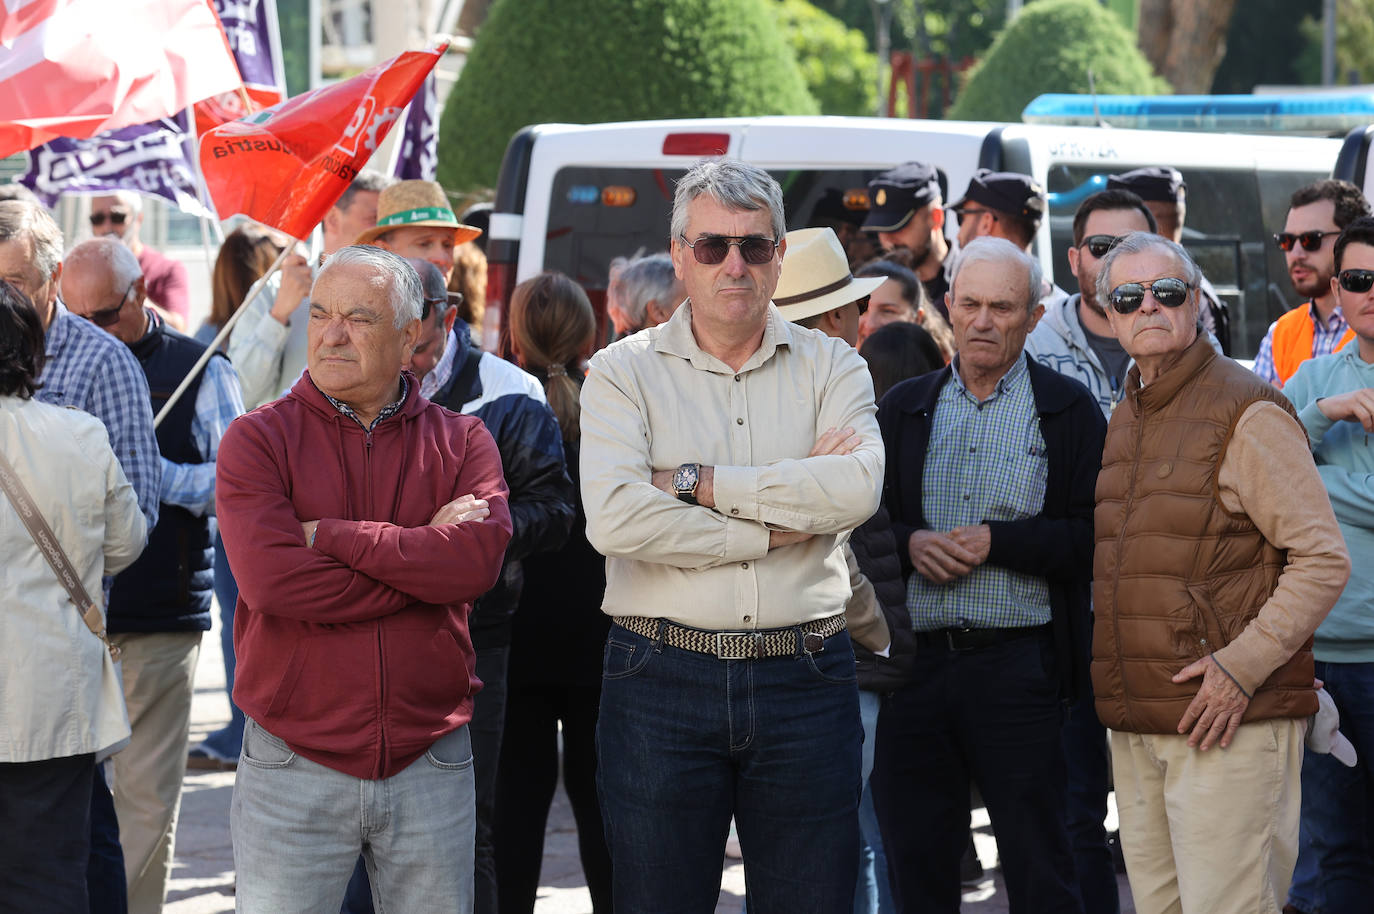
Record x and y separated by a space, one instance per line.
685 478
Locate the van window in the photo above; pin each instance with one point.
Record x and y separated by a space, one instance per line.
1231 215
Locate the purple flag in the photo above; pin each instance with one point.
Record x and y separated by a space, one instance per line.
154 158
418 146
251 27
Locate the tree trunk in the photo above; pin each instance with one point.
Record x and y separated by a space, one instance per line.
1185 40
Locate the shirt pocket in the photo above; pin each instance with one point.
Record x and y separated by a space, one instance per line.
1021 470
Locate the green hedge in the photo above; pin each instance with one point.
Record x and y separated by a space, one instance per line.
1050 47
540 61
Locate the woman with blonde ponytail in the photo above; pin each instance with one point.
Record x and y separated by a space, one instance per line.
559 633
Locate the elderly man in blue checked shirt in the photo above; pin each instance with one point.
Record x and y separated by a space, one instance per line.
89 370
160 605
991 465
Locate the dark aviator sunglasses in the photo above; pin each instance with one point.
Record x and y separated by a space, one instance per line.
1099 245
1169 292
713 249
114 218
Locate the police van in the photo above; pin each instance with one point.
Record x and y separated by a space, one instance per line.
573 197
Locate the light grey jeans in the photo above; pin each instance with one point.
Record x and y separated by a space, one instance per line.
298 828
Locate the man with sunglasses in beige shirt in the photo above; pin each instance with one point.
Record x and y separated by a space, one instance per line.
725 456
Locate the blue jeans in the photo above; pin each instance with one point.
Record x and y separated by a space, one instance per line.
1305 891
298 828
226 742
1336 800
991 715
685 740
106 883
873 895
45 843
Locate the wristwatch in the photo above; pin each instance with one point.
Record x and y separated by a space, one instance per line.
685 480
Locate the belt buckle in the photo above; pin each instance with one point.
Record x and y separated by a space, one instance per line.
949 634
754 647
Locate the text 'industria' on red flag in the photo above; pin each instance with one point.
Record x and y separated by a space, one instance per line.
287 165
75 68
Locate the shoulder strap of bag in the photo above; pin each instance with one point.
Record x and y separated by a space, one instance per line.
54 553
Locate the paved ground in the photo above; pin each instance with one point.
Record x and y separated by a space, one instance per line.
203 875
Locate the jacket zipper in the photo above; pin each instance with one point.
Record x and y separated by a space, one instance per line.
381 654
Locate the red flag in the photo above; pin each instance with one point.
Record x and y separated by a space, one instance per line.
76 68
286 166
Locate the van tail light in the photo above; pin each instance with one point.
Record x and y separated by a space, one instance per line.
495 327
696 144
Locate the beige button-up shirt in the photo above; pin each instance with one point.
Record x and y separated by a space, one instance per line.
655 401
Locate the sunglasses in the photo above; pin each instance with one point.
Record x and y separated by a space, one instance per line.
114 218
1310 241
108 317
863 305
1169 292
1099 245
713 249
428 304
961 211
1356 280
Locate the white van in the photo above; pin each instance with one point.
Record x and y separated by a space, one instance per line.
573 197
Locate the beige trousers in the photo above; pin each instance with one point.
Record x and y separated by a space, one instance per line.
159 676
1212 832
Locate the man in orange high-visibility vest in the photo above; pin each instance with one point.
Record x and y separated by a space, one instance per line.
1316 215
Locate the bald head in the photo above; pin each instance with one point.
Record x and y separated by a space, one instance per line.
102 282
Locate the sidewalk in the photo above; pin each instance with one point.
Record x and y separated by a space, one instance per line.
203 872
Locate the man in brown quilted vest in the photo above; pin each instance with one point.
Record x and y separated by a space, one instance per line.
1217 555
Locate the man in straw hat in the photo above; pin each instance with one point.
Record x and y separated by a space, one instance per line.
725 454
414 220
990 470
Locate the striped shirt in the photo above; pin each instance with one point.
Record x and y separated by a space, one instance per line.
985 462
90 370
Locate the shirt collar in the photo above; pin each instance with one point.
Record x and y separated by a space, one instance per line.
387 412
675 337
438 379
1335 322
1014 373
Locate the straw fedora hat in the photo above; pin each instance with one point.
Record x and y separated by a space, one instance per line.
419 203
815 276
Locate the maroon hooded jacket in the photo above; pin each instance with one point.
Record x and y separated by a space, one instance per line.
355 651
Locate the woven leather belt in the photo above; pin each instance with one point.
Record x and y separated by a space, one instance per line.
971 639
773 642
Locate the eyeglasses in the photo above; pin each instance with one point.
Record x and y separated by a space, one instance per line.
1310 241
1169 292
713 249
1357 281
863 305
115 218
108 317
1099 245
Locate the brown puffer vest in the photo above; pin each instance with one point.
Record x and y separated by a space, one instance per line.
1175 575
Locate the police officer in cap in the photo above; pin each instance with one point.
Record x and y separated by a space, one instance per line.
1004 204
905 210
1166 194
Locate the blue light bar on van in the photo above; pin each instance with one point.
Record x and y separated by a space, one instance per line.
1301 112
1068 200
584 193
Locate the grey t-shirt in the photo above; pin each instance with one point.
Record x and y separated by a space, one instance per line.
1109 352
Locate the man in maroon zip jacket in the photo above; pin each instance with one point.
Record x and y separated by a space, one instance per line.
362 521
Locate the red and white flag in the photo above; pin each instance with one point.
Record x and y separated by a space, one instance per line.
287 165
75 68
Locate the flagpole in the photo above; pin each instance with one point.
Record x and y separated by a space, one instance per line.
222 335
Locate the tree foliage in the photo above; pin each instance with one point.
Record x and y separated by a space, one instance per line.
1354 44
839 69
537 61
1051 47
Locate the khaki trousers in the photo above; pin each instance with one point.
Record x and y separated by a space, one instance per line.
159 674
1212 832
